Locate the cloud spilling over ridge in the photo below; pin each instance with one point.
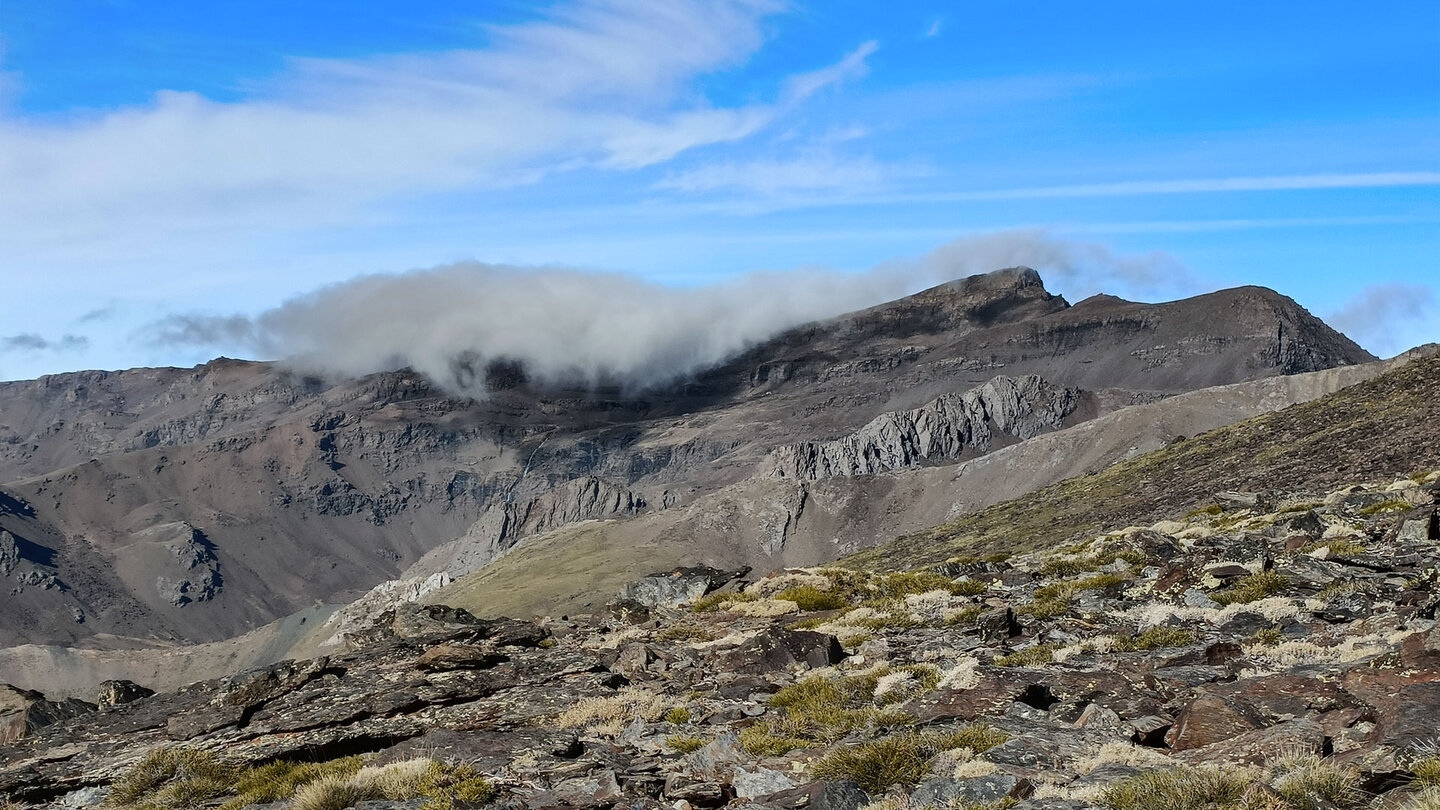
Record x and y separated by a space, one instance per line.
1387 318
451 322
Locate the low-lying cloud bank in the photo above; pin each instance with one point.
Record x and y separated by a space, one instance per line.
564 325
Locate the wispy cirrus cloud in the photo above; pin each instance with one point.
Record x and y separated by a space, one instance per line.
595 84
771 176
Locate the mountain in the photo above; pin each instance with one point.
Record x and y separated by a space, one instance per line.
155 507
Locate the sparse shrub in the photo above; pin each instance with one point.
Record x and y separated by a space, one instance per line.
900 759
1177 789
996 558
717 601
1252 588
678 715
1157 638
1035 656
809 597
685 743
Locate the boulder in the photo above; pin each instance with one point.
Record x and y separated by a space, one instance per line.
116 693
679 586
781 650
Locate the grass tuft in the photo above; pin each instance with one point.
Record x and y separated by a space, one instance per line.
1157 638
686 743
1252 588
901 759
1035 656
718 601
1386 506
809 597
1177 789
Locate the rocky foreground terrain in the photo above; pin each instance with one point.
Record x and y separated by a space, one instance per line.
1270 649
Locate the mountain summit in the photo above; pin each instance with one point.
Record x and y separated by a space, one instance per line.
182 505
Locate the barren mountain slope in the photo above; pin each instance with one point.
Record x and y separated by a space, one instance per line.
774 522
1360 433
187 505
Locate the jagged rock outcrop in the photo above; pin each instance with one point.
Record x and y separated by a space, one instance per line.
946 428
25 711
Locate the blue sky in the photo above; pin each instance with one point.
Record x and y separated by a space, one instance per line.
174 159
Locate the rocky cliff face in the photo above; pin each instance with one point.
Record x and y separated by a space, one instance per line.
946 428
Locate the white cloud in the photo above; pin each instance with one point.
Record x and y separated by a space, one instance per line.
451 322
1388 318
775 176
598 83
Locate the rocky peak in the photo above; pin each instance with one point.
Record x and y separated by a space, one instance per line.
960 306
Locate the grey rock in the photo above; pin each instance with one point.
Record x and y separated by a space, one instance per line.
761 782
115 693
840 795
677 587
943 791
944 428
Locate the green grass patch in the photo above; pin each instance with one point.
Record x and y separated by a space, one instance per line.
1427 772
1386 506
1337 547
1053 601
900 759
1252 588
173 778
714 602
678 715
1213 510
965 617
1178 789
686 743
809 597
820 710
184 778
1157 638
1035 656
